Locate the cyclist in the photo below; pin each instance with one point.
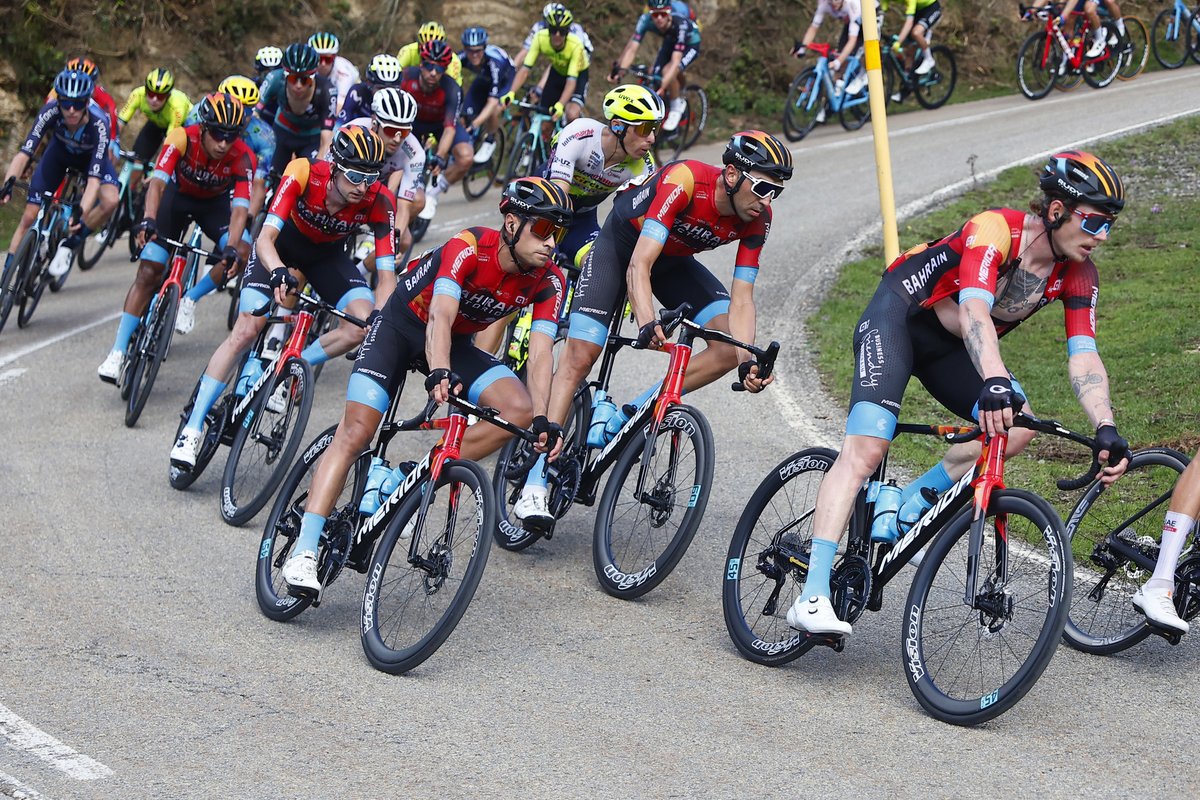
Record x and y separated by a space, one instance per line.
165 108
410 54
300 105
438 99
680 46
647 248
199 167
494 72
477 277
266 60
1155 598
261 139
383 71
338 70
938 315
313 216
565 91
849 13
549 10
79 137
919 18
100 95
1092 9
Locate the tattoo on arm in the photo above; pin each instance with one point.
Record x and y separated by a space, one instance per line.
1091 383
974 343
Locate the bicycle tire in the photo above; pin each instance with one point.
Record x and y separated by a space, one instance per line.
58 232
418 226
1031 576
248 482
934 88
1069 82
799 112
442 544
1102 619
854 116
13 283
1170 39
36 279
521 161
775 524
153 346
697 101
480 177
1037 68
93 246
892 82
1134 61
1105 71
669 145
214 428
1193 30
629 566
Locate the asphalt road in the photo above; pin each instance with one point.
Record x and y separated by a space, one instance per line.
134 661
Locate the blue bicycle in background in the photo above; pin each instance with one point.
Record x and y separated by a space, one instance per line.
1175 35
813 95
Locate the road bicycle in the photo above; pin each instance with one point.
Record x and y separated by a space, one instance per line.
987 605
27 275
669 145
418 225
480 177
151 340
531 133
663 456
932 89
813 94
423 550
129 212
1114 533
1175 35
1049 56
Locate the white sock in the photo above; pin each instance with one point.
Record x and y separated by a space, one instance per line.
1121 25
1098 36
1176 528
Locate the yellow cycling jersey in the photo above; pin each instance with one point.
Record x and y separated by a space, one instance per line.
410 56
169 117
910 6
570 61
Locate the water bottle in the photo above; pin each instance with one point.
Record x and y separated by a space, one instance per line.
376 476
520 337
914 507
251 372
395 477
603 410
617 421
887 503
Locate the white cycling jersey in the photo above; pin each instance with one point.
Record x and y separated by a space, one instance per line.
408 159
343 76
578 158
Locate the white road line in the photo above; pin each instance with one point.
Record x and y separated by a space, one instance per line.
11 787
23 736
33 348
8 375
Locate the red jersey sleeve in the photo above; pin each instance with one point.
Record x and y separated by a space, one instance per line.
673 196
243 175
1081 291
291 186
988 244
173 148
548 301
751 244
383 226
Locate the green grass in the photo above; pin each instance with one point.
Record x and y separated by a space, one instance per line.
1146 325
9 216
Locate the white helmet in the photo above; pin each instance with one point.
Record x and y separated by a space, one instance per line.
394 106
384 70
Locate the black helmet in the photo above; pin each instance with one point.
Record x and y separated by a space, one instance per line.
356 147
222 111
760 152
301 57
537 197
436 52
1074 176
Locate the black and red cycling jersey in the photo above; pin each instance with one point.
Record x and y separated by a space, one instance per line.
439 107
300 200
979 261
468 267
184 160
678 208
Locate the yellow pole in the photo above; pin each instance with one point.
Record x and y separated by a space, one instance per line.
883 155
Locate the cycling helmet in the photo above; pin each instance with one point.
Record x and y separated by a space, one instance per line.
394 107
160 81
431 32
86 66
73 84
268 58
1074 176
558 16
300 58
436 52
242 88
760 152
537 197
355 147
475 37
658 5
326 44
630 102
222 111
384 70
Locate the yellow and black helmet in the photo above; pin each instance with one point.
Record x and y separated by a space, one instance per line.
630 102
759 151
1074 176
326 44
359 148
557 16
222 111
241 88
160 81
431 31
537 197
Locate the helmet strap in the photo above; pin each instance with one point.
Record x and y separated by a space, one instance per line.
619 130
511 243
1051 226
732 190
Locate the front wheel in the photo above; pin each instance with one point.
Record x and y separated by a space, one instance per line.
805 101
1169 38
1102 72
1038 62
653 503
94 245
1135 49
970 660
152 347
480 177
214 431
855 112
425 570
36 280
12 282
934 88
697 113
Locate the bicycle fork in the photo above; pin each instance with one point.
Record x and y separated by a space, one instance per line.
993 602
669 395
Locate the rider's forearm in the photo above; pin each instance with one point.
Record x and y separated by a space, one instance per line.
264 248
490 109
445 143
905 29
442 311
541 368
258 196
154 193
568 90
1089 380
326 141
628 54
237 224
979 337
671 71
519 79
17 166
90 192
810 35
385 284
742 319
641 295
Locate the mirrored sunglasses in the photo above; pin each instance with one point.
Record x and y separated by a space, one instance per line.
543 228
327 59
1094 224
161 96
762 187
660 14
644 128
358 177
429 66
393 131
222 134
299 78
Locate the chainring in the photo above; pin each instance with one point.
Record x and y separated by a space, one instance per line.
850 587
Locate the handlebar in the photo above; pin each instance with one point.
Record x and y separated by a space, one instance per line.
316 304
1049 426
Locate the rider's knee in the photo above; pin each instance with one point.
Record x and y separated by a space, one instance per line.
861 455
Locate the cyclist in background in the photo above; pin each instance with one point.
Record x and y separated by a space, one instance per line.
548 11
938 314
438 99
1091 8
199 167
1155 598
919 18
266 60
300 105
565 91
493 72
849 13
410 54
165 108
79 138
479 276
100 95
338 70
680 46
383 71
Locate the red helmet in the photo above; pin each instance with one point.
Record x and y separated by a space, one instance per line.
436 52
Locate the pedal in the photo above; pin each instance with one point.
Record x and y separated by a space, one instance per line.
834 641
1171 635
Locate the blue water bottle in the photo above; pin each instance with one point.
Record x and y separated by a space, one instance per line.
250 375
887 503
914 508
603 410
394 478
376 476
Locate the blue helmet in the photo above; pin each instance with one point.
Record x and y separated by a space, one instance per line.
475 37
74 84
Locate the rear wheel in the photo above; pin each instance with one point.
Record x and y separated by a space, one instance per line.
697 113
855 112
805 100
480 177
1135 49
214 429
152 349
12 282
95 244
1037 65
669 145
36 279
934 88
1101 73
1170 39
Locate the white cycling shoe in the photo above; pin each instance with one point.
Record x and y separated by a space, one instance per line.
185 320
277 402
110 370
187 447
927 64
61 263
484 153
533 507
814 614
300 573
430 205
1159 608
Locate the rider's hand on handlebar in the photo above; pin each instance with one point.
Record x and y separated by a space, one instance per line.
441 383
145 231
283 282
748 376
507 99
798 49
1112 450
997 402
556 111
651 336
550 435
6 190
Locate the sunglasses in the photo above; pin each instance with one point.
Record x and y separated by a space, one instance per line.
72 104
643 129
358 177
543 228
161 96
1094 224
299 78
762 187
327 59
222 134
475 51
660 14
393 131
429 66
559 31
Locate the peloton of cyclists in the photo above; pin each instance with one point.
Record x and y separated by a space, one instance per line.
565 90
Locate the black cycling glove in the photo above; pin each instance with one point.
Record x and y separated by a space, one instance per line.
436 376
998 394
1108 439
148 227
229 255
282 277
646 333
552 430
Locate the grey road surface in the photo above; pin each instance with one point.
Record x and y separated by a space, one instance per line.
134 661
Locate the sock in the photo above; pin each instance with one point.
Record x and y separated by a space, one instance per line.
204 286
935 479
1121 25
210 389
820 565
314 354
309 539
125 329
537 476
278 330
1176 528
